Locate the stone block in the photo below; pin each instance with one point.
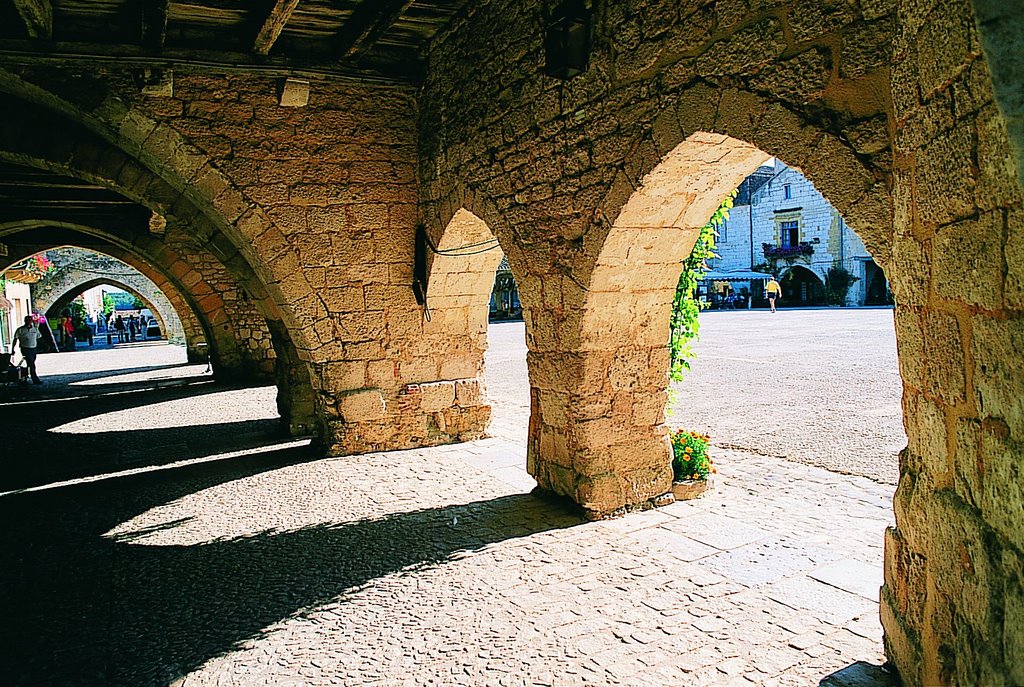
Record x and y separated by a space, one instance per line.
1002 493
366 405
960 564
946 376
945 177
381 374
911 270
968 462
998 185
601 494
927 436
1014 255
911 346
998 372
436 396
469 393
344 376
967 261
461 366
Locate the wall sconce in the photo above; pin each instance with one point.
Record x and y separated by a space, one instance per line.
567 41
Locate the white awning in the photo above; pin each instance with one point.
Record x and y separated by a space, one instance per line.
737 275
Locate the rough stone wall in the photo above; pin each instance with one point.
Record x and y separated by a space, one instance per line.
336 183
247 351
953 602
555 161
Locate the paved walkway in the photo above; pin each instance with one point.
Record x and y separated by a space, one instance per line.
190 565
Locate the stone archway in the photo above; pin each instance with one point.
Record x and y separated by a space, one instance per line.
213 328
156 302
801 286
55 291
204 206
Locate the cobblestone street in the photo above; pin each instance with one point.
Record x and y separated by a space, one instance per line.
169 536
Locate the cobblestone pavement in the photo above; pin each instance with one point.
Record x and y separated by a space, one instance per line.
266 566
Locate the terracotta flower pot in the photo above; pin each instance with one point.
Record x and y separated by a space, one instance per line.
690 488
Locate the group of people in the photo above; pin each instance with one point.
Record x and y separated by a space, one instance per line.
130 329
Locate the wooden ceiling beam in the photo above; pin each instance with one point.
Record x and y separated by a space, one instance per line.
272 26
38 17
367 25
154 24
97 55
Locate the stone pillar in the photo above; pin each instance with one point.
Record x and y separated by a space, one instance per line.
953 601
597 430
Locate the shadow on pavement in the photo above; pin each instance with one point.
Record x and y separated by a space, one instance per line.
35 454
84 609
861 674
69 386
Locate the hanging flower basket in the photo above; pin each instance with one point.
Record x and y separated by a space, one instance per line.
693 469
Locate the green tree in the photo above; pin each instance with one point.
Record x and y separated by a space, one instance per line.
684 323
79 316
137 303
837 284
108 305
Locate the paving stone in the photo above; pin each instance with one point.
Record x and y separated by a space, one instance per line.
718 531
768 561
823 601
853 576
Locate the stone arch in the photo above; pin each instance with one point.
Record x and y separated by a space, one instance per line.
190 193
613 450
141 288
458 292
806 279
209 332
215 333
126 150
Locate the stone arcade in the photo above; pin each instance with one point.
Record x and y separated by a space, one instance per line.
296 160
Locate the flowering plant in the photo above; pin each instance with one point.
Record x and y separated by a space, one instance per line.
39 265
773 252
690 456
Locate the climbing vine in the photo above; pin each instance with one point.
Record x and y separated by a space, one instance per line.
685 327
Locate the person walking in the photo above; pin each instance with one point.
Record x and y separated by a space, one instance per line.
119 328
772 290
27 336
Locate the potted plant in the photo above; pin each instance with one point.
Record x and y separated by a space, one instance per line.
692 468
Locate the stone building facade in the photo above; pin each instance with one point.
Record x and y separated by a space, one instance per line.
309 219
779 207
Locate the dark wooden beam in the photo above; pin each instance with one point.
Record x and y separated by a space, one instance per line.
273 25
368 23
97 55
38 17
154 24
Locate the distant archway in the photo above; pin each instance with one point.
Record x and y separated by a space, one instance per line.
168 320
802 287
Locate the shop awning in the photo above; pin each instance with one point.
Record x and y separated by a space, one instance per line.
737 275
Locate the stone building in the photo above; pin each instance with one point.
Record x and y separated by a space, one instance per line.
281 170
778 210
